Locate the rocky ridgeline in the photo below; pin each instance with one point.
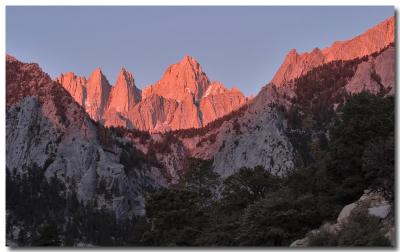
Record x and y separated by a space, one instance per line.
183 98
373 40
53 127
47 129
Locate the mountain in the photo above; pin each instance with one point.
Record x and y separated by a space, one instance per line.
371 41
219 101
46 129
263 134
375 74
75 85
185 78
124 94
97 94
158 114
183 98
234 171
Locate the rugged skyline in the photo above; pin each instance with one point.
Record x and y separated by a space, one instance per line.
186 98
239 46
186 161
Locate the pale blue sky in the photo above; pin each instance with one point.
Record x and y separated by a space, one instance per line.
239 46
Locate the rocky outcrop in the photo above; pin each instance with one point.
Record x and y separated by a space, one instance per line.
295 65
182 99
124 94
376 206
46 128
257 138
157 113
180 80
374 39
371 41
97 93
252 136
219 101
75 85
375 74
197 101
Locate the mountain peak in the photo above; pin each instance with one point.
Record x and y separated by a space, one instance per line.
373 40
124 94
187 63
316 50
125 77
97 76
293 51
97 70
124 71
97 92
180 80
188 59
75 85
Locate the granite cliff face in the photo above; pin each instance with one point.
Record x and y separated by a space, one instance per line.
375 74
183 98
157 113
47 129
75 85
185 78
124 94
52 124
219 101
259 134
97 93
371 41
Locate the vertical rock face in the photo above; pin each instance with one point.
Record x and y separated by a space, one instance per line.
371 41
180 79
45 128
157 113
296 64
75 85
185 98
124 94
123 97
375 74
187 114
256 138
98 91
219 101
182 99
150 112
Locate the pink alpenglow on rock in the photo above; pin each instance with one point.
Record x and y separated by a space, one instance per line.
180 79
75 85
98 91
183 98
373 40
124 94
219 101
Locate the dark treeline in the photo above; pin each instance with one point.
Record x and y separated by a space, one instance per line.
341 151
42 212
249 208
255 208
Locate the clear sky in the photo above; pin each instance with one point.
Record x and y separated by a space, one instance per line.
239 46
